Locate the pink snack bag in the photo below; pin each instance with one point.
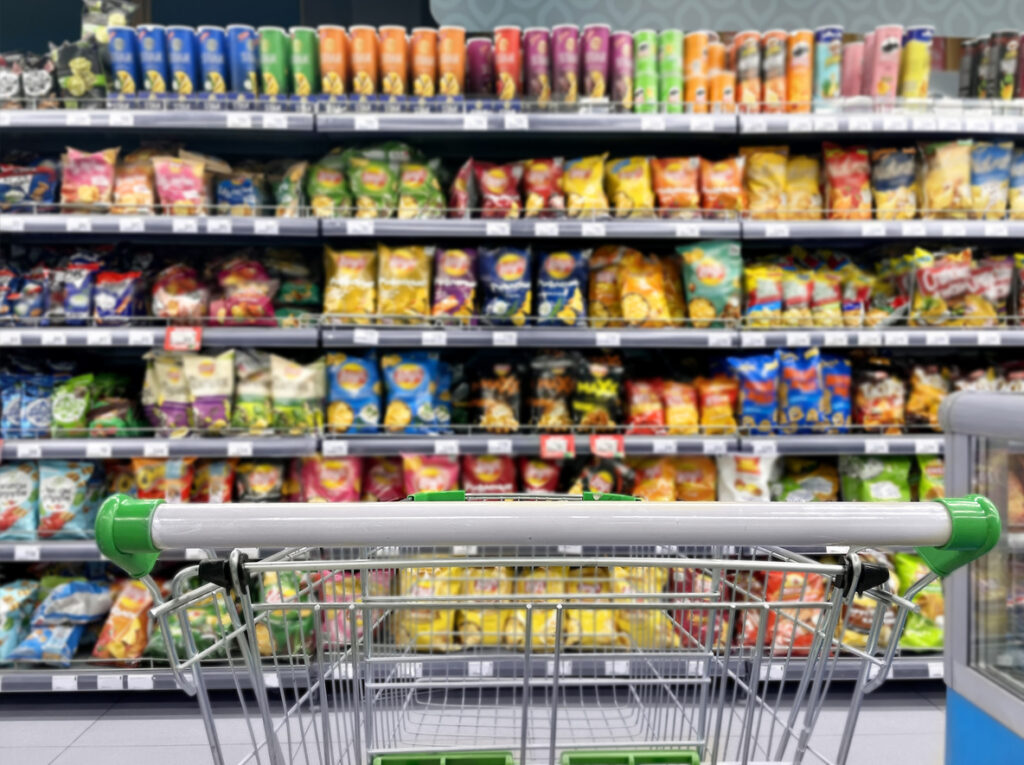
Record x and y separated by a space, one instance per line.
853 68
331 479
885 64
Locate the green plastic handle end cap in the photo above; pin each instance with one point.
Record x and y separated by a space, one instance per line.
122 533
976 529
453 495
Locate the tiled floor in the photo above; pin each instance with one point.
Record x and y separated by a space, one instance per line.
902 723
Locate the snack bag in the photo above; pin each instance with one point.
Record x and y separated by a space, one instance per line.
655 479
297 393
65 489
462 194
765 181
561 285
721 187
929 386
758 378
87 179
894 183
676 182
498 186
596 402
211 382
837 381
16 599
878 401
792 631
259 481
589 627
606 476
351 284
430 472
583 183
374 185
645 411
542 188
696 479
489 474
801 393
455 282
679 400
116 296
990 179
403 277
410 380
885 479
989 291
923 631
797 296
70 407
745 477
286 182
717 396
419 192
847 182
803 188
125 631
1016 198
353 393
537 582
642 294
331 479
241 193
946 187
807 480
19 502
180 185
506 280
213 481
539 476
554 380
711 275
134 184
941 284
327 187
762 284
643 629
252 410
383 480
629 187
826 298
49 645
178 293
500 398
483 627
672 278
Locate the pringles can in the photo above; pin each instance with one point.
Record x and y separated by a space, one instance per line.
508 63
1003 64
480 67
424 62
275 51
715 56
828 58
595 44
621 70
363 51
565 62
968 68
305 61
394 62
916 62
537 64
451 61
243 50
645 71
722 91
853 68
183 56
746 54
670 70
153 57
213 59
885 62
333 55
984 62
123 46
695 70
773 70
799 70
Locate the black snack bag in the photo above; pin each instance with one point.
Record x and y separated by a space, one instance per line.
597 402
81 74
609 477
554 381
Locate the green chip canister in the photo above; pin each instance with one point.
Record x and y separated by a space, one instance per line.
275 51
305 65
645 71
670 70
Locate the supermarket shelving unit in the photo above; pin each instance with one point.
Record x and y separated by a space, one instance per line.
249 127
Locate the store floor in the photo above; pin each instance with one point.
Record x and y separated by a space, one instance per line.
903 721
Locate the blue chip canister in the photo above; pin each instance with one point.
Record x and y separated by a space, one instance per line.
183 54
828 59
213 59
123 46
243 59
153 57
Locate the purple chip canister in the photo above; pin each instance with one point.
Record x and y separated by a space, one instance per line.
480 66
595 43
622 70
565 62
537 63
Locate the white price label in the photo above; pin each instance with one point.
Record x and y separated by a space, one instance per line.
105 682
275 121
78 119
140 682
218 226
53 338
334 447
412 669
996 229
119 118
570 549
765 447
27 552
664 446
78 224
99 337
978 125
800 124
365 336
479 668
271 680
592 229
913 228
894 123
12 223
836 339
517 121
184 226
499 445
876 446
615 668
504 338
434 337
776 230
239 448
897 338
715 447
925 124
798 339
752 340
545 228
140 337
64 683
653 123
837 549
366 122
239 120
928 446
824 124
98 451
954 228
869 339
265 227
158 450
933 337
989 338
702 123
195 553
861 124
607 339
874 228
774 672
5 119
950 124
10 338
497 228
719 340
687 230
446 446
562 668
28 451
754 124
936 670
131 224
474 122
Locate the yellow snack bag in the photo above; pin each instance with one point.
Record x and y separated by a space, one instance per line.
672 277
629 185
642 290
803 188
583 183
796 297
681 414
765 181
605 307
894 183
351 287
596 627
947 179
826 298
717 397
421 627
403 276
655 479
762 283
645 629
548 581
478 627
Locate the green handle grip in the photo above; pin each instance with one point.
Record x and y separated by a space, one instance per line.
976 529
122 533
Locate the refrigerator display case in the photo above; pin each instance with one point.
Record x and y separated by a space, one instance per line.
985 601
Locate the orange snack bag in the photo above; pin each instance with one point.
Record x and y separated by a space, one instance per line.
134 188
655 479
847 182
676 182
642 290
721 187
124 634
672 276
717 396
696 479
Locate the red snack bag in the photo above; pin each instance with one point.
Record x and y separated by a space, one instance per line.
721 187
330 479
693 623
783 633
488 474
243 309
542 188
462 194
214 481
676 182
87 179
499 189
430 472
179 293
847 182
539 476
644 404
382 481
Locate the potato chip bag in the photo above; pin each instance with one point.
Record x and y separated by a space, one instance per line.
213 480
596 402
929 386
331 479
894 183
797 292
419 191
498 186
879 396
403 278
374 185
383 480
351 289
1016 199
596 627
672 278
801 392
506 280
679 400
645 412
327 186
410 380
583 184
286 183
605 305
353 393
676 182
932 484
826 298
125 631
462 194
553 377
765 181
721 187
629 187
455 282
758 379
642 290
746 477
717 396
946 185
488 474
297 393
87 179
642 629
762 283
857 288
542 188
606 476
477 626
837 381
561 286
430 472
803 188
990 179
211 383
847 182
419 626
19 500
134 184
549 581
941 282
500 397
696 479
989 291
807 480
180 185
711 275
69 497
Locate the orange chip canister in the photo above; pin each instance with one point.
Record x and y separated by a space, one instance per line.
715 56
722 91
451 61
773 70
363 56
333 59
695 54
394 61
508 68
424 62
800 70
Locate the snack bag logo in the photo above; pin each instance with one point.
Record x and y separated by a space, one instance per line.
334 474
292 371
595 43
710 271
402 265
415 178
148 43
488 469
176 43
601 482
173 375
263 478
374 179
207 368
801 51
408 376
455 263
494 180
891 45
511 267
537 473
560 265
430 478
352 376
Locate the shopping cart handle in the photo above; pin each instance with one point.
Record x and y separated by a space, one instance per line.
122 533
975 530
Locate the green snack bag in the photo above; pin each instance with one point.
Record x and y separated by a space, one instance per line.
419 191
285 631
252 410
374 185
924 631
885 479
711 275
297 395
70 407
289 196
849 477
932 484
326 188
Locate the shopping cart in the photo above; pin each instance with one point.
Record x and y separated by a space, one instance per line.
584 632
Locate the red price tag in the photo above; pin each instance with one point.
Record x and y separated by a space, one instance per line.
558 446
607 445
183 339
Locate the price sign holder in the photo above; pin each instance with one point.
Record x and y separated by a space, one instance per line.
557 446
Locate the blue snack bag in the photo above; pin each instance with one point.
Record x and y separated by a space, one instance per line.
241 194
837 378
114 296
30 302
10 405
801 393
411 381
561 287
990 179
353 393
16 600
758 378
79 281
19 501
443 402
73 602
50 645
36 395
505 277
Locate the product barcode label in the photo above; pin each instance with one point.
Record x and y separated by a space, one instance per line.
517 121
894 122
950 124
688 230
365 336
271 680
12 223
772 672
131 224
592 229
836 339
184 225
837 549
664 446
754 124
239 120
157 450
77 224
504 338
869 339
701 123
446 446
10 338
876 446
333 447
936 338
926 124
874 228
823 124
239 448
607 339
359 227
545 228
989 338
434 337
928 446
53 338
800 124
195 553
715 447
218 226
719 340
497 228
499 445
140 337
996 229
654 123
474 122
936 670
978 124
861 124
27 552
78 119
265 227
954 229
64 683
608 446
411 669
98 451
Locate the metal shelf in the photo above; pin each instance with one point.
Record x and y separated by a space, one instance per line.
529 228
120 448
827 445
938 121
149 337
880 230
927 666
226 226
156 119
48 550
